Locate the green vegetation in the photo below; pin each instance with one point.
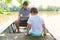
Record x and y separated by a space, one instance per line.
9 14
7 1
14 9
4 6
49 8
1 12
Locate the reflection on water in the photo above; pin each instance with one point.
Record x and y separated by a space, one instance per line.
5 18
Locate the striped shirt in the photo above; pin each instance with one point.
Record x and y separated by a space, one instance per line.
24 13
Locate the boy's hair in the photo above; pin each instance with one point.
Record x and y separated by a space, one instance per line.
25 3
33 9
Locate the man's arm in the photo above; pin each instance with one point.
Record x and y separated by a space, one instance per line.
19 16
44 29
20 13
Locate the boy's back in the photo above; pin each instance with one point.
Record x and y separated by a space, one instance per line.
36 24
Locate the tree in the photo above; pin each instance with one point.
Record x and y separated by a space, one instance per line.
41 8
51 8
4 4
8 1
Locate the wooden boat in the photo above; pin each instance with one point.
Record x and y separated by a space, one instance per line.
7 33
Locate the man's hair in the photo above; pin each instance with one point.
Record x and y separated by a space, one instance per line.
33 9
25 3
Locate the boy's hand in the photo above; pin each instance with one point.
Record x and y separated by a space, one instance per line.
26 33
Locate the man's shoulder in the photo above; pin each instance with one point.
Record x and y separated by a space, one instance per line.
21 9
29 8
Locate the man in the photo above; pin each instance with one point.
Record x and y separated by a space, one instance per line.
23 15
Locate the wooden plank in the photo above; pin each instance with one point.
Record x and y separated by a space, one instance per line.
21 36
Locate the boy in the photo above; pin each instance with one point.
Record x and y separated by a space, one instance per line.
35 26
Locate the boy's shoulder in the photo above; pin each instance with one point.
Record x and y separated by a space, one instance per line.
41 18
30 17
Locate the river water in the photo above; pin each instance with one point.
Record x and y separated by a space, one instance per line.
52 22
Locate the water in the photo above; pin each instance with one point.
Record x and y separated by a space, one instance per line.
52 22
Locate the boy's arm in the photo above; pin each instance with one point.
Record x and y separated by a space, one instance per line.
44 29
29 22
28 28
